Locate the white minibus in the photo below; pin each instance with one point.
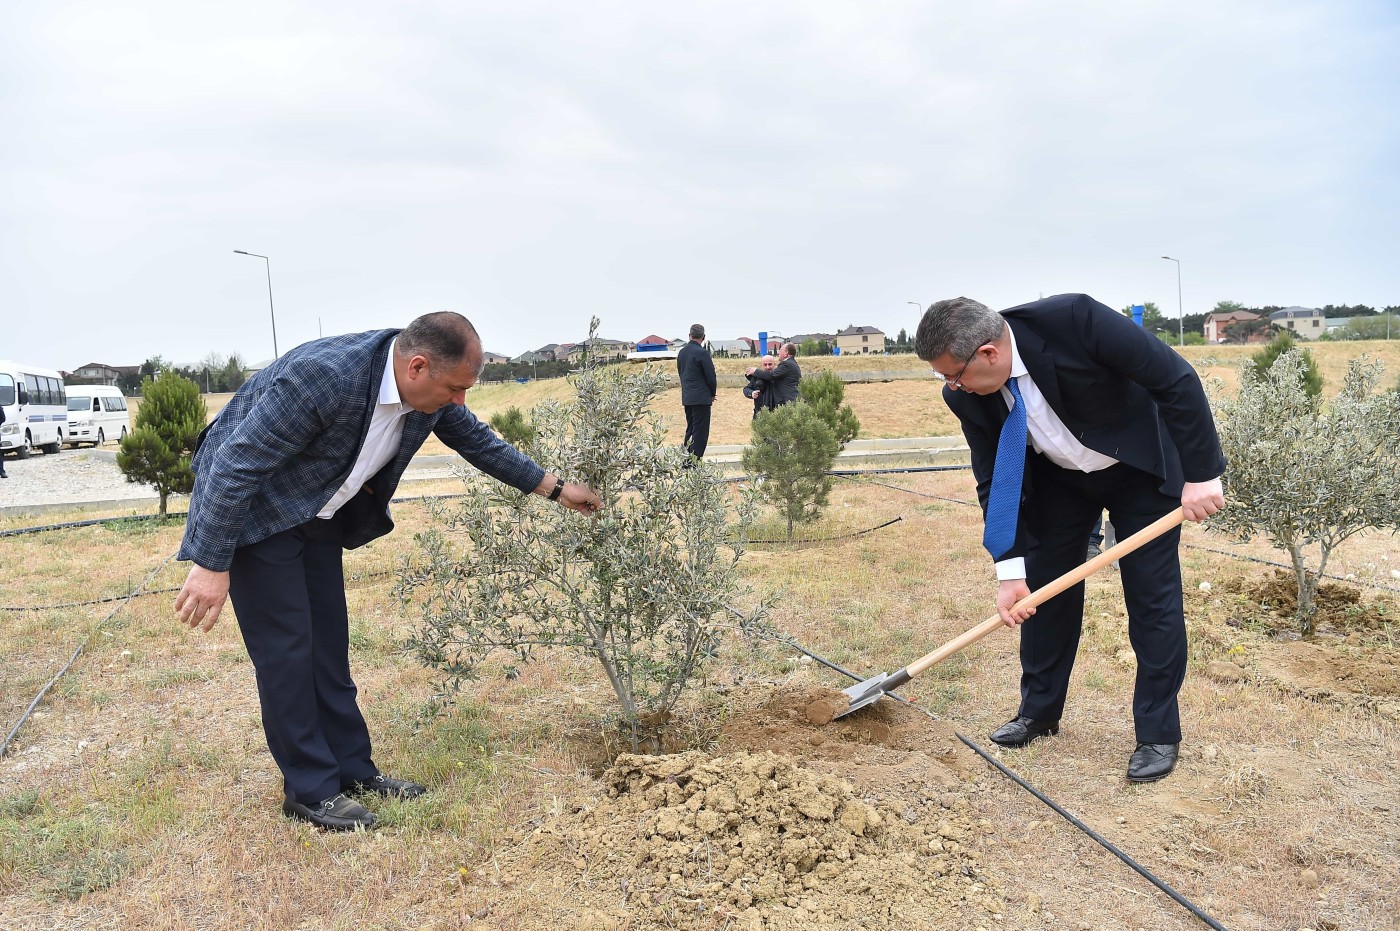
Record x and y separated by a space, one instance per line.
36 412
96 414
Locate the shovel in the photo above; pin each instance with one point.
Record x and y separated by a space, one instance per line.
870 691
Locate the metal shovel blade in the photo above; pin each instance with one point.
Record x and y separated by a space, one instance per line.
863 693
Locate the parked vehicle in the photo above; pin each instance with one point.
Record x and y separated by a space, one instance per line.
36 411
96 413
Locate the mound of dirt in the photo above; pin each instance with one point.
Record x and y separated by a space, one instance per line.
1338 605
757 841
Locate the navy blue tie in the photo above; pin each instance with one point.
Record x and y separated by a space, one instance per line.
1004 503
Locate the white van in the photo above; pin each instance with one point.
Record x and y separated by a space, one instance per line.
96 414
35 412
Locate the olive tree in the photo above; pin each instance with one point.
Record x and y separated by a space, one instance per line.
792 451
1308 475
644 588
158 450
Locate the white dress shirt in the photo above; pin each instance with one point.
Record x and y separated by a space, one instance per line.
1049 436
381 442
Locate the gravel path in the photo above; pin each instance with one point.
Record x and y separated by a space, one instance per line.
73 476
90 476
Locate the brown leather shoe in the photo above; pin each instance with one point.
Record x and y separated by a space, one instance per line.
1021 730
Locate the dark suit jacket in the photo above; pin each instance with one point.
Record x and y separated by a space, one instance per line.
1120 390
697 374
782 380
289 438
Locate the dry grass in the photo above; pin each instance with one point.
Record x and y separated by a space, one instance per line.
140 795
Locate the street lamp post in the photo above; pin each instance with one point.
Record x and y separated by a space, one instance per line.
268 264
1180 310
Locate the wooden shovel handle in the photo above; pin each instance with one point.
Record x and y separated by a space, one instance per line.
1076 575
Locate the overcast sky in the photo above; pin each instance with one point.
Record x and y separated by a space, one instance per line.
791 166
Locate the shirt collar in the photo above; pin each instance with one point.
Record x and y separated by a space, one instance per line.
1018 367
388 386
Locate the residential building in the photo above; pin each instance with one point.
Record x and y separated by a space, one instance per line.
1217 324
652 341
861 340
100 373
1307 322
603 350
489 357
730 348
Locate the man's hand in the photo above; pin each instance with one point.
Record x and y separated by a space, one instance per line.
580 498
1199 500
1009 592
748 373
201 598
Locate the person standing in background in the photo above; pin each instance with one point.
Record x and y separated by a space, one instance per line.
698 390
781 381
754 390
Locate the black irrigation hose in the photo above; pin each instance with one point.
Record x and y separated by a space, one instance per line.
1103 841
95 601
843 536
76 653
87 523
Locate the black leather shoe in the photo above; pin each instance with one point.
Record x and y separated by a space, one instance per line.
388 786
336 813
1151 762
1020 731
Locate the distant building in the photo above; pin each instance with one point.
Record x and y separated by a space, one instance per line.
732 348
1307 322
489 357
652 341
100 373
1217 324
861 340
602 349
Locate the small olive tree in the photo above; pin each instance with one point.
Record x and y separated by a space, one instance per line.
158 450
644 588
826 393
792 451
1305 475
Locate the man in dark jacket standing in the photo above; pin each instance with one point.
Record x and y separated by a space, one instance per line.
756 390
782 379
698 389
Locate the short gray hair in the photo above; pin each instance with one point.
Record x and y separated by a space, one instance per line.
445 337
957 327
697 331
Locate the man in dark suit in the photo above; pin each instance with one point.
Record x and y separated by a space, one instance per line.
302 463
698 390
783 379
756 391
1113 418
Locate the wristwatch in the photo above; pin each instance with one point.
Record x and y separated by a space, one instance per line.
558 489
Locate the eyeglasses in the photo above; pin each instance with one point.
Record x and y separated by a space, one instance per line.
956 381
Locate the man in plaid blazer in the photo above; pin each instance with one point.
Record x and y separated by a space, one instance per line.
300 464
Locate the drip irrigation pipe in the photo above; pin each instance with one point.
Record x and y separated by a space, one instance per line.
843 536
1103 841
1100 839
76 653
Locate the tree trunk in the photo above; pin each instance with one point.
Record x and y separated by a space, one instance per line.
164 497
1307 588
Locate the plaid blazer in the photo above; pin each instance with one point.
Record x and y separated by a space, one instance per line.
288 439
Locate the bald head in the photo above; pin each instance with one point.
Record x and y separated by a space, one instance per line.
445 338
